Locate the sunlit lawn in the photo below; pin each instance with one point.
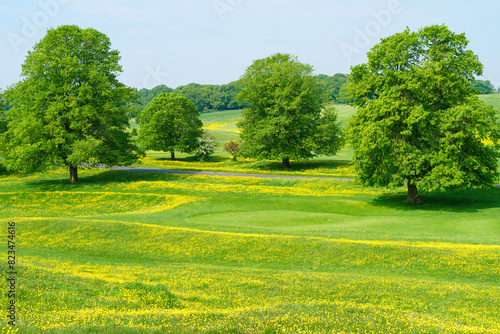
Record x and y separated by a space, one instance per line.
124 252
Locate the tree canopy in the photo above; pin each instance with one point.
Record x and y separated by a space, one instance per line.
146 96
284 120
70 107
419 121
170 123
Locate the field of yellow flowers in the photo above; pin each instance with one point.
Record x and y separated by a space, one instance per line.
124 252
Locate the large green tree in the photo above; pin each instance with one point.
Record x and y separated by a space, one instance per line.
170 123
285 119
419 121
70 107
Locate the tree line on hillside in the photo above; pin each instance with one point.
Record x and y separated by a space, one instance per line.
224 97
204 97
484 87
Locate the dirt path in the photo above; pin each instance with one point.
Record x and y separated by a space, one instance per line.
170 171
190 172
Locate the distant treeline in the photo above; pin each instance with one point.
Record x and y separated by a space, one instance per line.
484 87
204 97
223 97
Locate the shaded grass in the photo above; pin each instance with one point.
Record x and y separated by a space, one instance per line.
322 168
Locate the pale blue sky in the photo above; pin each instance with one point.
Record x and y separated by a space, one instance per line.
213 41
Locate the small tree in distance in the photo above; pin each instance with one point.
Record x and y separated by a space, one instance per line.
419 121
207 144
232 147
170 123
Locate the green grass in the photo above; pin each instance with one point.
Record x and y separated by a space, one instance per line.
125 252
224 116
222 124
344 111
492 99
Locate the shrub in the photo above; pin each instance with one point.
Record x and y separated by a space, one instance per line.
206 146
232 147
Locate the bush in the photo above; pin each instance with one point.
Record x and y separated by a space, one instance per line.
232 147
206 146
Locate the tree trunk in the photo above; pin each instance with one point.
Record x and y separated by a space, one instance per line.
413 197
172 155
73 174
286 163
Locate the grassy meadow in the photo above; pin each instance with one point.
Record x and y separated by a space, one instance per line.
493 99
129 252
125 252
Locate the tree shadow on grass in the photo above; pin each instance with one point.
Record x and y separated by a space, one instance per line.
102 179
4 171
469 201
192 159
297 166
